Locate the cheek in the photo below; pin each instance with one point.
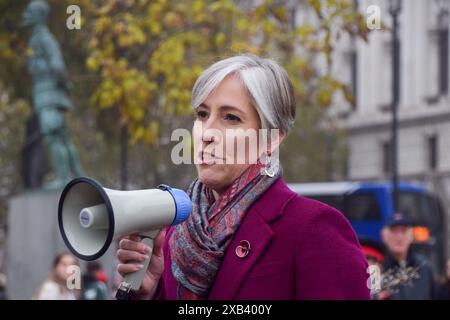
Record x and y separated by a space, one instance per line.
197 133
391 240
61 271
242 147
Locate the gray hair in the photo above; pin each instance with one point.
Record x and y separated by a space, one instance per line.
267 83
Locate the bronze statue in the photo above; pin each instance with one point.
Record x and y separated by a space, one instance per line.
50 93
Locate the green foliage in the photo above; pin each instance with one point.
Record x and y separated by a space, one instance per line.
149 53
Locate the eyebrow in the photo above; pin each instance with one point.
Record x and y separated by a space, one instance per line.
225 107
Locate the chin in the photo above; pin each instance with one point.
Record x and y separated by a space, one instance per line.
211 176
398 250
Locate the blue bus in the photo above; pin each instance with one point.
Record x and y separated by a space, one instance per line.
368 205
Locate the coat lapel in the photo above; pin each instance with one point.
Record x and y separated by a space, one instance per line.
255 228
233 269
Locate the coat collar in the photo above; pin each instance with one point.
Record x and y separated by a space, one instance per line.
275 198
255 228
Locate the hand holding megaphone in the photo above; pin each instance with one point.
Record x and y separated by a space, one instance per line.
90 217
132 254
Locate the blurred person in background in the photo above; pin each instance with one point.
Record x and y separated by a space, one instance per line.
3 282
55 286
408 274
93 285
443 292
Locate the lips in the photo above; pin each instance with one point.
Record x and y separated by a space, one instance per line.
208 158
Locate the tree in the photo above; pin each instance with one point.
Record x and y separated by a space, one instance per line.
134 62
149 53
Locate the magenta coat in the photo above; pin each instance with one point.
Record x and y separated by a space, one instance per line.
299 249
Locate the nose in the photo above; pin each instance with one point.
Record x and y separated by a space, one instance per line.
208 136
210 131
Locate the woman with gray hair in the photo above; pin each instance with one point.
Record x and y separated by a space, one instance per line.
249 236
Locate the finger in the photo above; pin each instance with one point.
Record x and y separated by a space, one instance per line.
159 242
127 244
128 255
134 237
156 266
125 268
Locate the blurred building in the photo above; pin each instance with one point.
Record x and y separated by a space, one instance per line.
424 107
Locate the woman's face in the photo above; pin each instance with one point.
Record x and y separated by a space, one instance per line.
62 268
215 133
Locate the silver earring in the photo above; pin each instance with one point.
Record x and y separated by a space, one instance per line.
269 169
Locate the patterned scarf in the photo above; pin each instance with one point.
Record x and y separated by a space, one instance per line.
198 245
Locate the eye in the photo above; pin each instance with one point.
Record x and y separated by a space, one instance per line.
232 118
201 114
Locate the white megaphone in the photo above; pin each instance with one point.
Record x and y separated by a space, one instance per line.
90 217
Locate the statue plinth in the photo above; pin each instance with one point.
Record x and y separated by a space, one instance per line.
32 242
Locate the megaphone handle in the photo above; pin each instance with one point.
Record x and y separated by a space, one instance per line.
133 281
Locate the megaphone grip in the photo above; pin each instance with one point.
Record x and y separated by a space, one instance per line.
133 280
